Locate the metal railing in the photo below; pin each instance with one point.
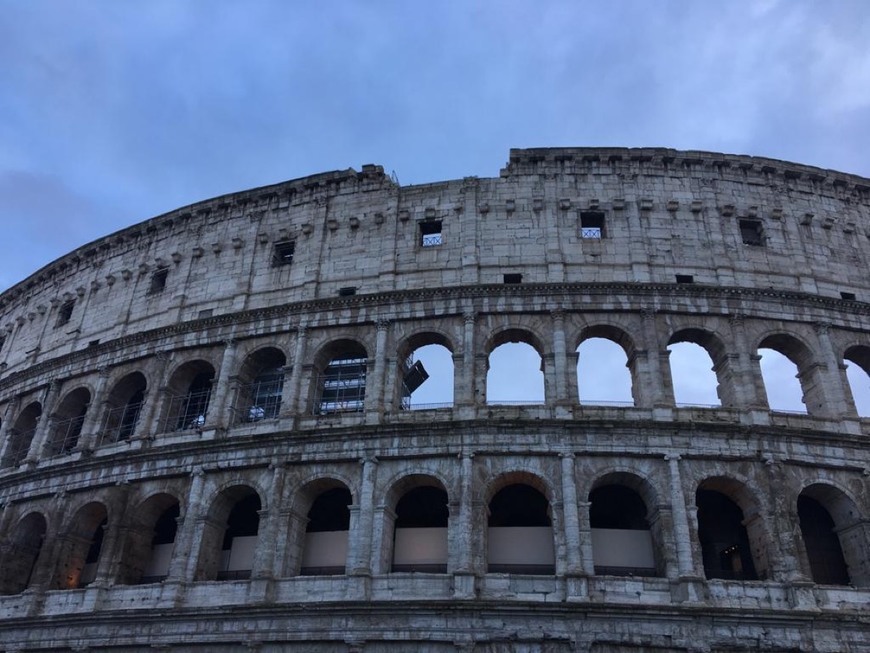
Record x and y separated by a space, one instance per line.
186 412
625 571
261 401
604 402
119 423
18 448
65 435
438 406
516 402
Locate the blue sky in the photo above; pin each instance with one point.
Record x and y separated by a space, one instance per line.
113 111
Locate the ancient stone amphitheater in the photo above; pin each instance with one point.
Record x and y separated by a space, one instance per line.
209 439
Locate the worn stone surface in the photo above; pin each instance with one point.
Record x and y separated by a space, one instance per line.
197 291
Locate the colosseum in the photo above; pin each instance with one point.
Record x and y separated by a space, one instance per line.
211 437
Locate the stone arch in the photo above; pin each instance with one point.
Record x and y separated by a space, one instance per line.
620 384
81 547
509 336
320 546
733 537
416 532
627 538
801 355
859 356
22 552
148 548
714 346
67 421
260 385
834 536
189 389
519 534
340 368
230 534
20 435
123 407
412 368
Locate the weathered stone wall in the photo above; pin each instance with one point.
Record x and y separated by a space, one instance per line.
226 308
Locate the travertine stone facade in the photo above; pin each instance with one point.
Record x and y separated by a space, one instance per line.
200 412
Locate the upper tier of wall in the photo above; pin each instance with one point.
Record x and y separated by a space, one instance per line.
666 213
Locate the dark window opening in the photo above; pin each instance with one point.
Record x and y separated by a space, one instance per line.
430 233
827 564
347 291
592 225
848 296
422 507
2 340
343 386
64 313
283 253
265 393
752 233
243 521
513 278
723 537
93 343
685 278
519 505
329 513
158 282
166 526
194 404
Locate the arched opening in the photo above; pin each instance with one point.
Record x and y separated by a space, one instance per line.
20 435
67 422
420 536
520 532
857 361
19 561
696 357
824 553
124 404
190 392
341 383
324 551
148 549
724 539
82 545
515 373
240 539
622 542
426 373
261 382
789 378
603 373
834 536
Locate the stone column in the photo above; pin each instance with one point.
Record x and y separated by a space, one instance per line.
832 374
783 554
290 390
584 529
466 384
185 552
39 444
749 383
682 537
460 555
560 360
12 410
218 414
263 564
658 380
573 559
152 400
116 528
90 435
360 537
374 398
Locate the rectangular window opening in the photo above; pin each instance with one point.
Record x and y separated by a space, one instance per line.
347 291
93 343
592 225
513 278
64 313
2 340
685 278
752 233
849 296
158 281
430 233
283 253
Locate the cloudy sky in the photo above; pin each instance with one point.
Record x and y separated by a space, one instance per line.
113 111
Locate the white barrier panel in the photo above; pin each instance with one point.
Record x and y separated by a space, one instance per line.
520 545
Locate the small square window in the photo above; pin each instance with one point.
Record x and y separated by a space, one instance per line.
848 296
283 253
513 278
685 278
752 233
592 225
158 281
64 313
430 233
347 291
2 340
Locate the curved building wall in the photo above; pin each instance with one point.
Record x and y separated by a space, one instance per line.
205 443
